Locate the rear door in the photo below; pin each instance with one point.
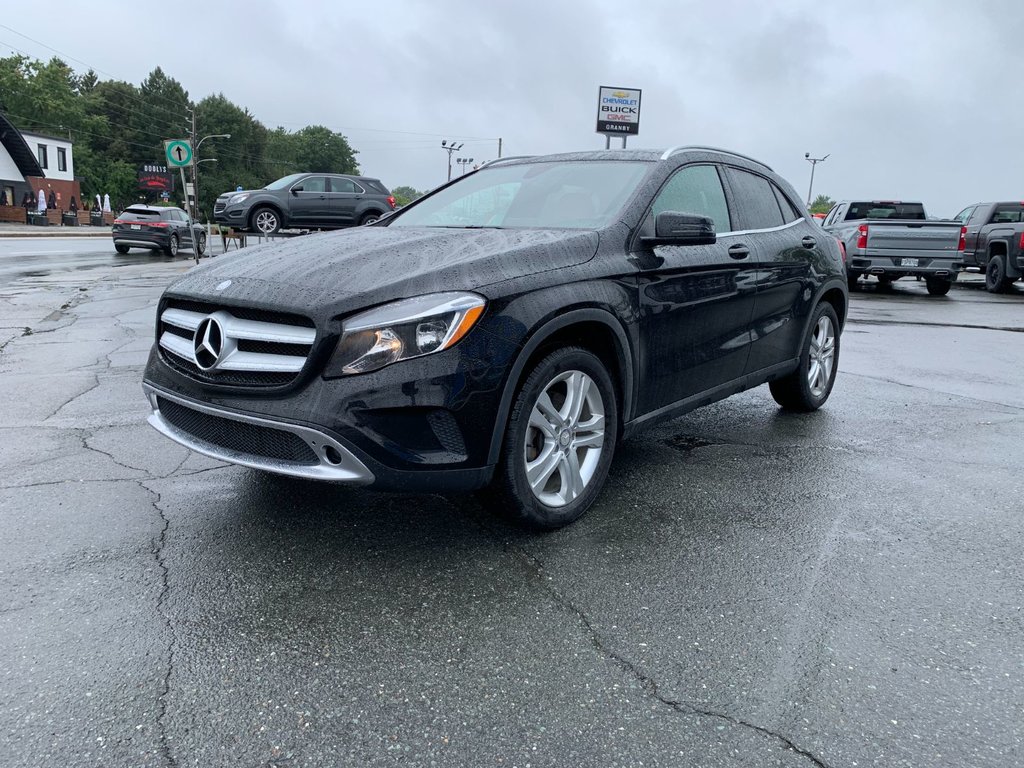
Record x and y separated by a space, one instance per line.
345 195
695 300
785 247
309 203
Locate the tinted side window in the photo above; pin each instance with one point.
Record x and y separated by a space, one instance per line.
343 185
756 205
789 211
695 189
314 184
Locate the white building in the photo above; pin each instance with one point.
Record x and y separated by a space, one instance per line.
53 155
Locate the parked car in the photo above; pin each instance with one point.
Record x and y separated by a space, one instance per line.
994 241
158 228
891 239
306 201
506 330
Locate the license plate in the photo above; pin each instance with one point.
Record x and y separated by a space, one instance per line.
136 226
908 262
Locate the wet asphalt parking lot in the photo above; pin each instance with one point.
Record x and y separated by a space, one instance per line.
752 589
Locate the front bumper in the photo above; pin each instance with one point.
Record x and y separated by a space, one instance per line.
423 424
232 215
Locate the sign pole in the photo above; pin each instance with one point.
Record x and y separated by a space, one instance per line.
188 212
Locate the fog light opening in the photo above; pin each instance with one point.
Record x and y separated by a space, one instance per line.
332 455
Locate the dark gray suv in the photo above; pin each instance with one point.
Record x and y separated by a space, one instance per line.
306 201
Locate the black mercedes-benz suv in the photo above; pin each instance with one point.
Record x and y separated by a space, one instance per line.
507 330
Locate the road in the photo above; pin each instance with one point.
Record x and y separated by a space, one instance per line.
752 589
40 256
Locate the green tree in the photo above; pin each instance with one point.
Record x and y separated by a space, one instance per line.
822 204
321 150
405 195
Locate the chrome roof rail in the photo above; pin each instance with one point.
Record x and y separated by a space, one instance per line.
504 159
681 147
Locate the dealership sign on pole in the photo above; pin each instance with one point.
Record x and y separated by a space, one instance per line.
618 112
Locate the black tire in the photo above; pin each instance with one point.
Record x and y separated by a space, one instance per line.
172 246
795 392
995 275
937 286
511 490
369 218
200 245
265 220
851 282
885 282
120 248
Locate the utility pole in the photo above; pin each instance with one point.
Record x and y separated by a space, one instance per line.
499 146
195 175
450 146
814 162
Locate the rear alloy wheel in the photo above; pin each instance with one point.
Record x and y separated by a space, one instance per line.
995 275
560 440
266 221
120 248
808 387
937 286
172 246
369 218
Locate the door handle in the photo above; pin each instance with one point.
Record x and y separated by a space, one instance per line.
738 251
808 242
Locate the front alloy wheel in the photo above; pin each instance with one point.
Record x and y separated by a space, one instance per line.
559 442
564 439
266 221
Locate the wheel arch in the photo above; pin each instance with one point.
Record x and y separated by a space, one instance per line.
595 330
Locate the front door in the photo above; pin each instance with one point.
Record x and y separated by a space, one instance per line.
310 205
695 300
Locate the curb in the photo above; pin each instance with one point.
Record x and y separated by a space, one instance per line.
69 232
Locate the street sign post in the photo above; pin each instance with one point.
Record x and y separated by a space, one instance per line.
179 154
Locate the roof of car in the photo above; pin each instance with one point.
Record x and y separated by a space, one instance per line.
643 155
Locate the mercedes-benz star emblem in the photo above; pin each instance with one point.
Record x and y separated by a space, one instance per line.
208 343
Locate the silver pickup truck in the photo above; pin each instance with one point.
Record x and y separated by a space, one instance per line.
891 239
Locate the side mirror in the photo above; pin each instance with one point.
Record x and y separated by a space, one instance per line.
674 228
296 190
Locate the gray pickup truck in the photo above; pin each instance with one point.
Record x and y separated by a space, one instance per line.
891 239
995 242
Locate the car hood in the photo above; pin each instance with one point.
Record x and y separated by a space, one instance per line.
239 192
343 271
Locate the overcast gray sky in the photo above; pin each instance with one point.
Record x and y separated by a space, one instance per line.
914 100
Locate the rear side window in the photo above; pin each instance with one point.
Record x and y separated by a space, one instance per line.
756 205
885 209
695 189
343 185
1007 213
789 211
375 186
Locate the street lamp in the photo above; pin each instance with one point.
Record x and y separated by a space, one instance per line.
195 167
813 161
464 162
449 147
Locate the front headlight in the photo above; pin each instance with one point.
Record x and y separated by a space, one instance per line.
402 330
235 199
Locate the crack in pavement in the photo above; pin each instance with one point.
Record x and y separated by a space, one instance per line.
648 683
934 391
161 601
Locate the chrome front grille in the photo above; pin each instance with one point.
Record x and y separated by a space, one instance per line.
217 345
218 207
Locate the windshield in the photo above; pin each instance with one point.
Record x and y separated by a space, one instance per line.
572 195
285 182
